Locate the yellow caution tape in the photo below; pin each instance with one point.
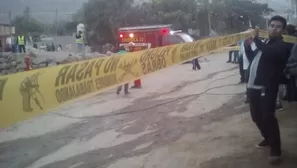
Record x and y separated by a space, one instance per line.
29 94
263 34
289 39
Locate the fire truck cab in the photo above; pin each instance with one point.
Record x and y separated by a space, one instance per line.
145 37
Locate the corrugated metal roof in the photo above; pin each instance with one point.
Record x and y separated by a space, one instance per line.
144 27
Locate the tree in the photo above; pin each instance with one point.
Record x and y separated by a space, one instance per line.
25 24
103 18
182 14
234 15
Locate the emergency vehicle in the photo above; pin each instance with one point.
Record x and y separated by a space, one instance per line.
145 37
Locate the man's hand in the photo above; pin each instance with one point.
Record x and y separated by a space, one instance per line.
256 32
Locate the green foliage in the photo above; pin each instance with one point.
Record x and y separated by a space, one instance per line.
104 17
25 24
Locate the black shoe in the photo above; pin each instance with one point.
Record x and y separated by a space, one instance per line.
263 144
228 61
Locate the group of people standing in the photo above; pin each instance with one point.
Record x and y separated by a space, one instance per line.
264 67
15 44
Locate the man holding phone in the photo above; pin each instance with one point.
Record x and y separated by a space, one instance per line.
265 71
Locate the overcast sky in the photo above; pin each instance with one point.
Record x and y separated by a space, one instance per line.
45 9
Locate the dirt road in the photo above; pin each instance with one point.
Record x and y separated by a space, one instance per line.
179 119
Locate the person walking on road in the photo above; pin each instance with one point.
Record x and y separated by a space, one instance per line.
21 41
265 72
196 65
126 86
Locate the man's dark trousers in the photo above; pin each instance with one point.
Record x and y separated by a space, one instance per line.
241 71
196 64
230 56
22 48
235 58
262 107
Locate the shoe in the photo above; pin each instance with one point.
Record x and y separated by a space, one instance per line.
228 61
263 144
126 93
274 160
279 107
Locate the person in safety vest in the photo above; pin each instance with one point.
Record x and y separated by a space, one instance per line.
137 83
21 41
79 41
122 50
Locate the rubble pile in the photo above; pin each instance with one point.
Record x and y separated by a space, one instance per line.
9 63
15 62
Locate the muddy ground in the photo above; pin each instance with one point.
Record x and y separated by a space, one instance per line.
179 119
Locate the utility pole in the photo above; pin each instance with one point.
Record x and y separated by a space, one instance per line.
206 3
56 21
9 18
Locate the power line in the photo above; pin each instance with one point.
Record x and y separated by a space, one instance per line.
65 13
57 21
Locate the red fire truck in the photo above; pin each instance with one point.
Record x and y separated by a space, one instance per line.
145 37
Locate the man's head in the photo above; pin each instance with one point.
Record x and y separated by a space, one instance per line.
277 25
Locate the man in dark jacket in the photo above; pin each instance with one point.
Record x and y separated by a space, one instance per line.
291 90
265 73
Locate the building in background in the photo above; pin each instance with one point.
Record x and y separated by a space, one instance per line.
6 31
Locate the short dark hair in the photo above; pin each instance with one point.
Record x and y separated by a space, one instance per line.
280 19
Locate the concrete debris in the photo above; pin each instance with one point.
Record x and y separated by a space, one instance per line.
14 62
